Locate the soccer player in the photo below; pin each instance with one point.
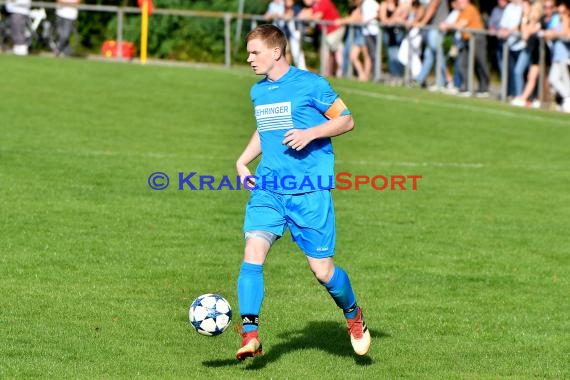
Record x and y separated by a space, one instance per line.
297 112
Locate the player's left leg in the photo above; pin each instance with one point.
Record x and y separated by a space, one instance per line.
337 283
312 225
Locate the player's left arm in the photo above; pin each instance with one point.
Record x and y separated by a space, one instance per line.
340 121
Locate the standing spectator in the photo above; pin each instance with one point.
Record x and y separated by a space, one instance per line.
529 30
470 18
550 18
549 21
392 36
435 13
325 10
276 13
509 30
19 11
493 25
66 15
558 75
364 41
369 14
454 81
357 47
409 54
409 12
294 33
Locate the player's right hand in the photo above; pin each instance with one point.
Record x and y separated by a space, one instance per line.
245 176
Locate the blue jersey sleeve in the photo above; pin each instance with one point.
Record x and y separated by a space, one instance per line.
323 96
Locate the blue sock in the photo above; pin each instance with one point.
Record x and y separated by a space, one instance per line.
250 290
341 291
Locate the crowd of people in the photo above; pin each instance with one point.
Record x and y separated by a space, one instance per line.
414 33
425 43
19 14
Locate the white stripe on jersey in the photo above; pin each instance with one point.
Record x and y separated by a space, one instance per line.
274 116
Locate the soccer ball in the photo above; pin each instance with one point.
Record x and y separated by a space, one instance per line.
210 314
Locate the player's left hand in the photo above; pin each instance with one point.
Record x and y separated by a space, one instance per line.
297 138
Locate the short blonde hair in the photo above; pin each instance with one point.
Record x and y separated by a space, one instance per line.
271 35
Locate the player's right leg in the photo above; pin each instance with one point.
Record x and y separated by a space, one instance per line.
250 291
264 223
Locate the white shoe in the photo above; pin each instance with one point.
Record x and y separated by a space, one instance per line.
434 88
359 334
518 102
450 89
20 49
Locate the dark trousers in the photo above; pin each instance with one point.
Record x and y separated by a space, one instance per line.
371 42
481 66
64 30
18 28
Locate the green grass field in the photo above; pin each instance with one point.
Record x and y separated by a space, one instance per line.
466 277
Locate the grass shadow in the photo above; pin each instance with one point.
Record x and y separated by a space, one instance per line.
327 336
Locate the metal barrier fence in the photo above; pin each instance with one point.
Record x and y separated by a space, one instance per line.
228 17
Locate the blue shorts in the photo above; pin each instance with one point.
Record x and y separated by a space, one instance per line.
309 216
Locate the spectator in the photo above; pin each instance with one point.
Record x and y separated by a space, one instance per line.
275 10
436 12
364 36
550 18
66 15
558 75
325 10
453 81
493 26
356 48
294 32
369 17
409 11
529 30
392 36
19 11
549 21
275 13
509 30
470 18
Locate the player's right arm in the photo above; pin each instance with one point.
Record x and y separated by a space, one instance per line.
250 153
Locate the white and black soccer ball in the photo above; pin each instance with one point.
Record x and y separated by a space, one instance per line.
210 314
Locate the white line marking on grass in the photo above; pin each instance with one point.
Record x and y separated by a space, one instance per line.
94 153
467 107
416 164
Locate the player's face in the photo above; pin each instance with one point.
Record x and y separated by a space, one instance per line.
260 57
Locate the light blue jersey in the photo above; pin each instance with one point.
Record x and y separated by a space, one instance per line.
298 100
